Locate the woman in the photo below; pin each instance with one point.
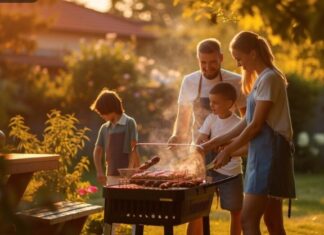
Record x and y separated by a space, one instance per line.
267 129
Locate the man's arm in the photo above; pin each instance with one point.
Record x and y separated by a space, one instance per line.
182 124
226 138
97 159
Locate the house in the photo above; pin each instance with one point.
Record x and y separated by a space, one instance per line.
70 23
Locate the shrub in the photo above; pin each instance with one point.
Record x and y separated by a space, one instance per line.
303 97
61 136
94 224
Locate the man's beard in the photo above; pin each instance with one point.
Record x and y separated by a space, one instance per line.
213 76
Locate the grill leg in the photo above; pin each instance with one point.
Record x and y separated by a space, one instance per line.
107 229
139 229
206 225
168 230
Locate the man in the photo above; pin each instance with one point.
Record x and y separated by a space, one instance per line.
193 101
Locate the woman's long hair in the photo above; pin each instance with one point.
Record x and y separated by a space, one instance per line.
246 41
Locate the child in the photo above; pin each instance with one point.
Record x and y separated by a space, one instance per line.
116 139
222 97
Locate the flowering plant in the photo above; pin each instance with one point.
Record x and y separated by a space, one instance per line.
88 190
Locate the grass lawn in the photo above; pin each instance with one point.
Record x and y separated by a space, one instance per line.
307 212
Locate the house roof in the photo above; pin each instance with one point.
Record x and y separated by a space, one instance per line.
71 17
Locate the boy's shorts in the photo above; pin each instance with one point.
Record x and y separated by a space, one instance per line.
230 193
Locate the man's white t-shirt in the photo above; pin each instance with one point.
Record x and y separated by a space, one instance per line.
215 126
270 86
190 84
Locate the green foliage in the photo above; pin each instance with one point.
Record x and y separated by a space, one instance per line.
96 66
61 136
16 29
292 28
160 12
296 20
306 60
94 224
306 161
114 65
175 47
13 92
303 97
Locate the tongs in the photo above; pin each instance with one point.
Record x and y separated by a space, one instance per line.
128 172
171 144
211 165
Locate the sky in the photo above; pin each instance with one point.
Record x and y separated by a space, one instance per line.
98 5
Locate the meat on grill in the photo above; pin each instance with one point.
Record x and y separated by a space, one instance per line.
160 175
149 163
128 186
165 179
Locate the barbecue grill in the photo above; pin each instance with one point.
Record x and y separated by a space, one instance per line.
160 207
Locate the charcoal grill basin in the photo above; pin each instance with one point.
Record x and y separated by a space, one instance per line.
159 207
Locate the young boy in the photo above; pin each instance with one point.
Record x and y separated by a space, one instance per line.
222 97
116 139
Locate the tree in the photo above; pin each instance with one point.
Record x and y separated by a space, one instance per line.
16 37
294 20
110 64
160 12
292 27
114 65
303 99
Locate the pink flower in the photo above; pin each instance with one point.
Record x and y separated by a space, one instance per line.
92 189
82 191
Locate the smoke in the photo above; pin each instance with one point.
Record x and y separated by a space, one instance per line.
189 161
181 159
184 158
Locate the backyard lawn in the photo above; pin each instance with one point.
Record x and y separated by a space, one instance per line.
307 212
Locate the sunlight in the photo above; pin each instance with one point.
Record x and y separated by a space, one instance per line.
98 5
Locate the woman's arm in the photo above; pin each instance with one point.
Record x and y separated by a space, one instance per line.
242 151
202 138
252 129
223 139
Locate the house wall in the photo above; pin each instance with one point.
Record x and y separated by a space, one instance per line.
57 43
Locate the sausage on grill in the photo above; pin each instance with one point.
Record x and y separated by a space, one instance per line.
149 163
